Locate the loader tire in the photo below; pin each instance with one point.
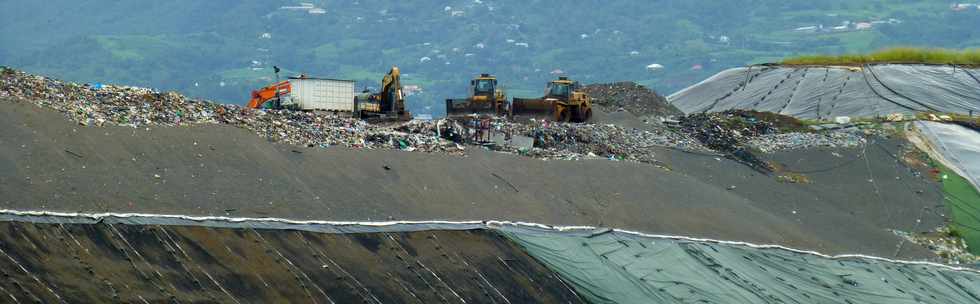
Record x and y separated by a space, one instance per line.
584 116
579 115
564 115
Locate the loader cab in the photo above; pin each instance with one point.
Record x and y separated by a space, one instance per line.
485 85
561 88
556 89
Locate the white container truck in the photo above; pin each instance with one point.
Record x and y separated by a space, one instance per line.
321 94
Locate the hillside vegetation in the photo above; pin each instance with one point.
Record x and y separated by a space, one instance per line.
222 49
894 55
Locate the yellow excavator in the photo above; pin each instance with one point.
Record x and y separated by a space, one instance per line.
486 97
563 101
388 104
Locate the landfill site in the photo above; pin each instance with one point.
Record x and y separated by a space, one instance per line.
762 184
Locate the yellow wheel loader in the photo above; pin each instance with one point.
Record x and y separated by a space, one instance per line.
486 97
563 101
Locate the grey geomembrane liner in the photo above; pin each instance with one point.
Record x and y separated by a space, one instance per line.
827 92
959 146
618 267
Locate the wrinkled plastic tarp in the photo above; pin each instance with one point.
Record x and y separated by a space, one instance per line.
617 267
612 266
828 92
959 145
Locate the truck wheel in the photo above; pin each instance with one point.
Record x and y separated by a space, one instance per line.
587 115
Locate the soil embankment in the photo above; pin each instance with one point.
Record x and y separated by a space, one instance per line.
51 164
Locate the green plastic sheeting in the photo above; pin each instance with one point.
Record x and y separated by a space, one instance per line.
620 267
964 204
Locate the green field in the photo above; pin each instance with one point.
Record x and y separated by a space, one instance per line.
894 55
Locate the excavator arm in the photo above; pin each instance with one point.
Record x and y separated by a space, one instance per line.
263 95
391 90
388 103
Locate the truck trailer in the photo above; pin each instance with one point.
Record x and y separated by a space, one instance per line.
320 94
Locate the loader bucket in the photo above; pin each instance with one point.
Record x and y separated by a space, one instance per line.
534 108
462 107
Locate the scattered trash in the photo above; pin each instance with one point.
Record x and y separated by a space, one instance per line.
796 140
142 108
731 133
896 117
793 178
945 242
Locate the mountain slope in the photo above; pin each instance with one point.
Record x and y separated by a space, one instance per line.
220 50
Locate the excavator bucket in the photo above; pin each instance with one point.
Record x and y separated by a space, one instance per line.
537 108
462 107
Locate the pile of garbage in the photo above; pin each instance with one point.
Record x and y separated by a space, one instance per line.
101 105
632 97
107 105
946 243
738 133
728 132
605 141
796 140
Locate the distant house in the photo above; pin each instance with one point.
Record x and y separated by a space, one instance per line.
963 6
410 90
812 28
655 67
302 7
305 6
862 26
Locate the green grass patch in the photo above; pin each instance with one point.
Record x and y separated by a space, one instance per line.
964 204
894 55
